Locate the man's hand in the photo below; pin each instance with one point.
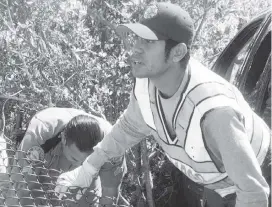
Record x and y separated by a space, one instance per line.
79 177
62 185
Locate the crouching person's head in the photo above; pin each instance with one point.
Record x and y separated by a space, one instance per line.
79 137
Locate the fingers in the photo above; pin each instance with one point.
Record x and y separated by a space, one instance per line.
62 186
60 191
80 193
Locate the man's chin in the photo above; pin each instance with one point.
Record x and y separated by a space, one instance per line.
136 72
136 75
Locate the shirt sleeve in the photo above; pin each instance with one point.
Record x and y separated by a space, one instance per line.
32 138
225 136
46 124
129 130
36 134
49 122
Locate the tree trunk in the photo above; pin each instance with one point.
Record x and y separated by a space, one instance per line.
147 181
137 194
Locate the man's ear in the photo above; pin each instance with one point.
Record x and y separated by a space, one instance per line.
179 52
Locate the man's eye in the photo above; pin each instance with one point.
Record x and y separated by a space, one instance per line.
150 41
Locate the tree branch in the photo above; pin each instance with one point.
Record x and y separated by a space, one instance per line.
101 19
9 14
93 13
70 78
44 77
12 98
204 16
202 20
3 119
85 105
147 175
6 23
3 5
113 9
136 195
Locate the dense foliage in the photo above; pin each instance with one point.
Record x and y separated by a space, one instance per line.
67 53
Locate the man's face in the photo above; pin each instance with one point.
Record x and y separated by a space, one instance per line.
147 57
74 155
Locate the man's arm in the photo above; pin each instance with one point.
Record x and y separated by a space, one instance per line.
111 175
225 136
129 130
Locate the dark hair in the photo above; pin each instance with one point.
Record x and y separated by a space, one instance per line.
169 44
84 131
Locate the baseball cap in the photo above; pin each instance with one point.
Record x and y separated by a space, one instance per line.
163 21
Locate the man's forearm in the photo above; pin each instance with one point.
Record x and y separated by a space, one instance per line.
109 196
129 130
122 137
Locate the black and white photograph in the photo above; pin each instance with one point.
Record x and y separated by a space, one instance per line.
135 103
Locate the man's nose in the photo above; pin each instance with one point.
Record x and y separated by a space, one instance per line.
137 50
134 50
137 47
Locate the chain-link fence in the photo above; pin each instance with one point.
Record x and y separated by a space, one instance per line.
34 184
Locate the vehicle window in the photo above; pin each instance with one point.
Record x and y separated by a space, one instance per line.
238 61
258 63
235 53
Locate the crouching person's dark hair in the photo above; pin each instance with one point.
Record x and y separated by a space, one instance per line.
84 131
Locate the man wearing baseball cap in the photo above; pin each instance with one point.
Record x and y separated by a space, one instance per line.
202 122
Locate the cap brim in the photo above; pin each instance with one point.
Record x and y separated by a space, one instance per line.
140 30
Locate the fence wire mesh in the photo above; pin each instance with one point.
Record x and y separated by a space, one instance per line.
34 184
